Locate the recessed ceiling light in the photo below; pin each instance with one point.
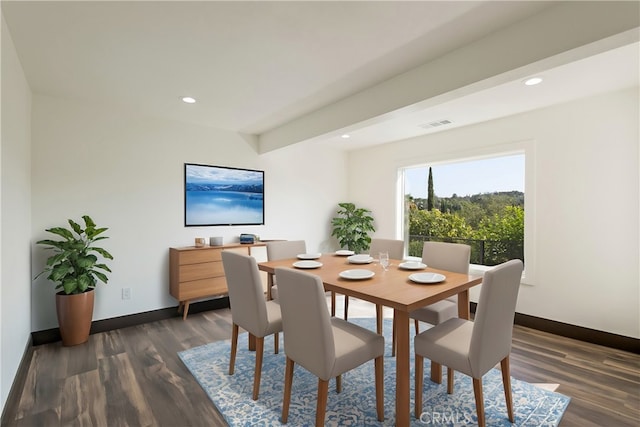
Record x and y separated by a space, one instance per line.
533 81
188 100
346 136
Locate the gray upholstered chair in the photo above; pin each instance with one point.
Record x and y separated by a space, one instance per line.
249 309
452 257
473 348
283 249
326 346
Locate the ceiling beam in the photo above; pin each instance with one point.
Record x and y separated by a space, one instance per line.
556 36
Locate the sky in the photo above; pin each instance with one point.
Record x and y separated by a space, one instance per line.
467 178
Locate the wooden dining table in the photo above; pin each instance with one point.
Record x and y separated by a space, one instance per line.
391 288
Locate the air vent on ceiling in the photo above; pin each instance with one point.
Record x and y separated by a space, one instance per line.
436 124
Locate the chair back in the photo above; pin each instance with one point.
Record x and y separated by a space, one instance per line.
285 249
308 334
447 256
394 247
493 323
246 295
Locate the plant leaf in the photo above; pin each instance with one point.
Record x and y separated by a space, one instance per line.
61 231
103 277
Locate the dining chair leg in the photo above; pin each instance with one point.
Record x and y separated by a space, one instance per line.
393 337
477 391
346 307
379 367
416 322
276 342
333 304
323 392
258 371
419 368
339 384
379 319
436 372
288 380
506 382
450 374
234 348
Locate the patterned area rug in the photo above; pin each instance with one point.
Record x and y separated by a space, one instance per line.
355 406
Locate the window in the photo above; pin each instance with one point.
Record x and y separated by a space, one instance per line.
479 202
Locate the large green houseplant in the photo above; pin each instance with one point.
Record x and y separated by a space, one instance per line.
352 226
75 269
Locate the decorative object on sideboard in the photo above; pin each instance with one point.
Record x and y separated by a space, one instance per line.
215 241
249 238
199 243
75 269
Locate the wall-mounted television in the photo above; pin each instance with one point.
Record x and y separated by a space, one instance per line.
220 195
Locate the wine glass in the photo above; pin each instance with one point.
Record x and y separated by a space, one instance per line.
384 260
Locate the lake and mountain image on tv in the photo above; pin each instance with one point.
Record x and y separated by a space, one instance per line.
216 195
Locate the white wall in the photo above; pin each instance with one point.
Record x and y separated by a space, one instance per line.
15 215
126 172
308 182
587 197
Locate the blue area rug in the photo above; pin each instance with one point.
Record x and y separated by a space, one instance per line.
355 406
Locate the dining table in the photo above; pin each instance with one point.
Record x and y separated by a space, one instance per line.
391 288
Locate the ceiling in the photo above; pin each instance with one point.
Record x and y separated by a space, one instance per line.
254 66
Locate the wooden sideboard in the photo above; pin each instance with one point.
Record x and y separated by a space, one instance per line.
197 272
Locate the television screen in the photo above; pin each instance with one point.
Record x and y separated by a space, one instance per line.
218 195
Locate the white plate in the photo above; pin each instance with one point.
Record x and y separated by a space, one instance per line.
360 259
357 274
412 265
426 277
307 264
309 256
344 252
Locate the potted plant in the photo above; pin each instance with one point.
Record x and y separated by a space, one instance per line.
75 269
352 226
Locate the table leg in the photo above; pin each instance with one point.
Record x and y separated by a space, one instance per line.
402 368
269 285
463 305
333 304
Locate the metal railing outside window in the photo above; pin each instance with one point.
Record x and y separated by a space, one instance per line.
483 252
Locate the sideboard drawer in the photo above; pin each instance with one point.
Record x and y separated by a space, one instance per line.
196 257
203 270
203 288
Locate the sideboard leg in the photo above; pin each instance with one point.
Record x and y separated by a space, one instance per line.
186 310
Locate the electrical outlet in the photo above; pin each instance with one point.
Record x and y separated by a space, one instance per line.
126 293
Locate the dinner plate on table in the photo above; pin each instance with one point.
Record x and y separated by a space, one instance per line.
307 264
412 265
344 252
427 277
357 274
360 259
309 256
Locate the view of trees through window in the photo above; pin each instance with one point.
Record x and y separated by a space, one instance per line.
479 203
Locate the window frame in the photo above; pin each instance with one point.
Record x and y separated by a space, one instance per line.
526 147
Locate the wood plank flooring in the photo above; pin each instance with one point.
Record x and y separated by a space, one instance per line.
134 377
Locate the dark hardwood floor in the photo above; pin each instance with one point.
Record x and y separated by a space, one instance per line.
133 377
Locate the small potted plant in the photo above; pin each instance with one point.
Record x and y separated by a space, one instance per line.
352 226
75 269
